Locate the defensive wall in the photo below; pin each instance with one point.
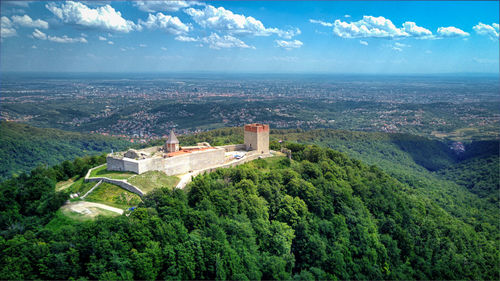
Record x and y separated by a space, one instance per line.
179 164
234 147
121 183
248 158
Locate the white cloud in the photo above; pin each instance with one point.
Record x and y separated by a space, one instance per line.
171 6
111 42
362 42
401 45
323 23
451 31
103 17
377 27
39 35
166 22
217 42
486 29
397 46
27 21
24 4
347 16
143 45
289 44
64 39
221 19
6 28
412 29
367 27
163 48
185 38
101 38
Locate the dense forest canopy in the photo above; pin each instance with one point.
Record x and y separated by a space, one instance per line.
23 147
321 215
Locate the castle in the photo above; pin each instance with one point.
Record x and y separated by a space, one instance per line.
174 159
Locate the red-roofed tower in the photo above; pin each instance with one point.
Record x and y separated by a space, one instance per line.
257 137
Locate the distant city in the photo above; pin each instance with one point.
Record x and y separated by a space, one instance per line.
143 108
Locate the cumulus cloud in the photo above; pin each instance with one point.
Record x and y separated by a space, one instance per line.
111 42
103 17
101 38
362 42
377 27
323 23
486 29
369 26
27 21
451 31
185 38
412 29
6 28
289 44
64 39
171 6
221 19
214 41
166 22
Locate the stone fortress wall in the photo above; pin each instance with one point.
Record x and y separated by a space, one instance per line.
186 160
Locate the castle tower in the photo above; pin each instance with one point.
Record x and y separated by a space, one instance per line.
257 138
172 143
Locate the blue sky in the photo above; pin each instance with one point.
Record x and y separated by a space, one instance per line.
250 36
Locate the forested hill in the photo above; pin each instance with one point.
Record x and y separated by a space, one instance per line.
23 147
321 215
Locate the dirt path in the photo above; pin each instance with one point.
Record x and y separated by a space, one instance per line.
84 207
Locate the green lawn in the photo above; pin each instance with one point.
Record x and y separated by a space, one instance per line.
80 186
65 184
153 179
102 172
113 195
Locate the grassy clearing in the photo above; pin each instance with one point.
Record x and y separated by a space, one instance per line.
114 196
102 172
80 186
67 217
153 179
62 219
266 164
65 184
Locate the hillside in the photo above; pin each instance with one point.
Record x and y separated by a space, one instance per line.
321 215
23 147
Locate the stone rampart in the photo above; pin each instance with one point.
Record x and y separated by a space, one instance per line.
248 158
121 183
234 147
